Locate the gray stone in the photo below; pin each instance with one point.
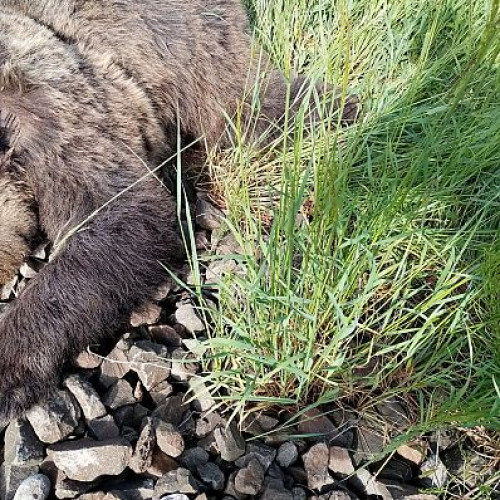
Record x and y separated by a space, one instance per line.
175 497
207 423
87 397
266 422
160 393
230 442
208 217
371 444
166 335
161 464
35 487
56 419
22 446
394 413
119 394
433 472
218 269
298 493
187 317
88 360
287 454
104 428
370 487
407 492
87 460
142 457
316 467
264 454
11 478
115 365
204 400
176 481
340 461
184 365
173 410
148 314
316 426
334 495
275 490
212 476
250 479
169 440
150 364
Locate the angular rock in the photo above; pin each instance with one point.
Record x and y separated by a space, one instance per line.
160 393
194 458
187 317
395 413
87 460
184 365
11 478
175 497
176 481
161 464
142 457
366 483
406 492
104 428
340 461
35 487
88 361
316 426
21 445
230 442
411 454
433 473
148 314
87 397
208 217
371 444
115 365
204 400
287 454
150 363
56 419
264 454
166 335
316 465
119 394
275 490
169 440
212 476
250 479
131 415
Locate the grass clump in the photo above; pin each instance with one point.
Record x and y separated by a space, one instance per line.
371 254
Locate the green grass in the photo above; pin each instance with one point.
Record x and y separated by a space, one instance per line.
392 285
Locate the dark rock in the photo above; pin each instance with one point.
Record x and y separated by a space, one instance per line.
264 454
275 490
371 443
56 419
161 464
22 446
119 394
207 424
131 415
166 335
193 458
150 363
287 454
160 393
11 477
395 413
212 476
407 492
316 426
208 217
172 411
104 428
396 470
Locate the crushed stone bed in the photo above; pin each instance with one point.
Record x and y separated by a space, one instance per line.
124 426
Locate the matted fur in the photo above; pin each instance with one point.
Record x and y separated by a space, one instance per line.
91 92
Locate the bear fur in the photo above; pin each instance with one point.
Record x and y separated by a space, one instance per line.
92 93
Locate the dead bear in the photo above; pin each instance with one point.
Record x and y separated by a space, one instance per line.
91 95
